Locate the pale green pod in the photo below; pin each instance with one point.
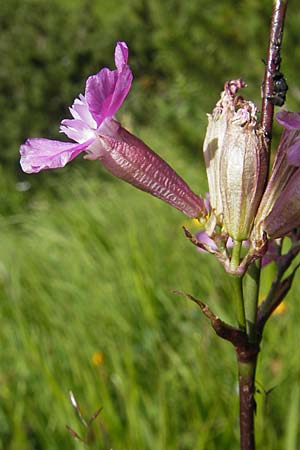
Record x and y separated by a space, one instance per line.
212 148
243 171
213 145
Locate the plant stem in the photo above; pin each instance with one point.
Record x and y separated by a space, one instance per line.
239 302
236 254
272 64
247 355
251 293
238 286
247 402
247 358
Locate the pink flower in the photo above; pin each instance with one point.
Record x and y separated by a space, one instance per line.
95 131
104 94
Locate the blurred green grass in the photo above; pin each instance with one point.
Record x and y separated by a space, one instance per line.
88 264
90 268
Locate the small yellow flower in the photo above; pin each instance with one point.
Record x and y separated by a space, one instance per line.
97 359
281 309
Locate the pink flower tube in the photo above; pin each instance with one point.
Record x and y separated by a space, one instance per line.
96 132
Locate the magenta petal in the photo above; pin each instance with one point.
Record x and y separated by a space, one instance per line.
203 238
106 91
294 153
290 141
121 55
289 120
271 255
38 154
285 213
77 130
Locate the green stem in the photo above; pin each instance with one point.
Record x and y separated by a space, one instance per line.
251 293
239 302
238 286
236 254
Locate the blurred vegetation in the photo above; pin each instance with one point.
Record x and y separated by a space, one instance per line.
87 263
86 274
181 54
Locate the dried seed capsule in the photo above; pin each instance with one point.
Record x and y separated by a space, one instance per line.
236 163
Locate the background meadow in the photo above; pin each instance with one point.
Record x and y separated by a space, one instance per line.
88 264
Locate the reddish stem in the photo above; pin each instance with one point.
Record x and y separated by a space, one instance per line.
247 359
272 65
247 408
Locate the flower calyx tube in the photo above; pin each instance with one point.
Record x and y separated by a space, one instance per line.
130 159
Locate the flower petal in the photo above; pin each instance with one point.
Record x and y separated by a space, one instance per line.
121 55
203 238
285 213
106 91
272 254
289 120
294 153
83 126
80 111
77 130
38 154
286 158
